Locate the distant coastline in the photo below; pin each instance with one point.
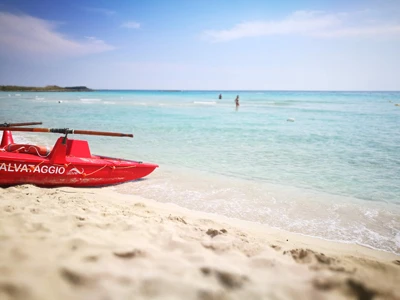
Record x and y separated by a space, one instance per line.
48 88
55 88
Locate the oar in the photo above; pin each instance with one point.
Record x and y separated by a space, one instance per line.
20 124
66 131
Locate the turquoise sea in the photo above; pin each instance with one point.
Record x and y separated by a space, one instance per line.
324 164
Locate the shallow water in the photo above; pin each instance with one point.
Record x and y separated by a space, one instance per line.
333 171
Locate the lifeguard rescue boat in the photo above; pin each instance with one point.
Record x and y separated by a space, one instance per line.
68 163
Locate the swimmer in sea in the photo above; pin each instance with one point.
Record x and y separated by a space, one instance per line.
237 102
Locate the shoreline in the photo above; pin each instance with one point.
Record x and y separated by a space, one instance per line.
300 210
93 243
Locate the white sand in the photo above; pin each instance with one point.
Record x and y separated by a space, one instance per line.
96 244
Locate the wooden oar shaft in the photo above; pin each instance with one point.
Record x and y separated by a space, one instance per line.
105 133
67 131
20 124
26 129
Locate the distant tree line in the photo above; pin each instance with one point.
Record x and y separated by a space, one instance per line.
48 88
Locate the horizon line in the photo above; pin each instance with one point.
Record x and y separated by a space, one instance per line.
245 90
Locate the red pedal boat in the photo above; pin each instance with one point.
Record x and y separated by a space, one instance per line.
69 163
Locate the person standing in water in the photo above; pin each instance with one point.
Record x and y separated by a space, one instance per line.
237 101
220 96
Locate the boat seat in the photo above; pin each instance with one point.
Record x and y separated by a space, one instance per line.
78 148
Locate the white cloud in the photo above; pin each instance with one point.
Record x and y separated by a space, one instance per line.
131 25
362 31
24 34
309 23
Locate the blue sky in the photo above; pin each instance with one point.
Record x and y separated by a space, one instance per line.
201 44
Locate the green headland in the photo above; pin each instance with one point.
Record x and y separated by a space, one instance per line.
48 88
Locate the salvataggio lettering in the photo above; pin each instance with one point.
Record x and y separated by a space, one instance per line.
25 168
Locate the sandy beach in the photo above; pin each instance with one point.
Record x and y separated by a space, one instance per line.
66 243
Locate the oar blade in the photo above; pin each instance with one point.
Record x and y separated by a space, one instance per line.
20 124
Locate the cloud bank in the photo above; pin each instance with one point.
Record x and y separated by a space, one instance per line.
307 23
28 35
131 25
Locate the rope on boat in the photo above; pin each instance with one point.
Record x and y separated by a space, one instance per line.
37 152
127 167
26 150
112 167
34 167
17 150
86 175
